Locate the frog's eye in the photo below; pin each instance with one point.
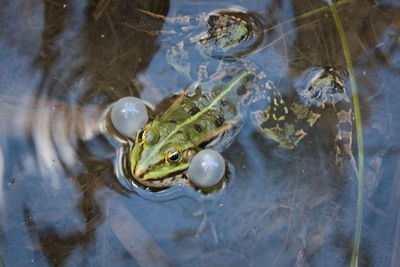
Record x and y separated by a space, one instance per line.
174 156
142 136
212 20
317 94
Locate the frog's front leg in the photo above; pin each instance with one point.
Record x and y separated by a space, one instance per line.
178 58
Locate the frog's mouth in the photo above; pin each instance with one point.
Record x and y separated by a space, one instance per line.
156 184
156 171
173 177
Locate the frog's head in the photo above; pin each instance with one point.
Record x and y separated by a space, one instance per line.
158 155
231 33
225 31
326 85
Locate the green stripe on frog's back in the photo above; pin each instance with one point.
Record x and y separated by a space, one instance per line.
193 118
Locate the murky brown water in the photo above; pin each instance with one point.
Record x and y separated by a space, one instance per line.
61 203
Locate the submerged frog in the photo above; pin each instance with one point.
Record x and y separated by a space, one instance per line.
221 34
289 124
228 33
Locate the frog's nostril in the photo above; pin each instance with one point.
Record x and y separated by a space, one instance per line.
139 171
138 174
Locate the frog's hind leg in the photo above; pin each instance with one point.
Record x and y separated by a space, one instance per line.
152 14
174 20
343 139
160 19
274 122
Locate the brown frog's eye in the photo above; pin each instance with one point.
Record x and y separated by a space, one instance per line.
174 156
142 136
212 20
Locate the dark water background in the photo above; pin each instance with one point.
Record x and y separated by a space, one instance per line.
63 62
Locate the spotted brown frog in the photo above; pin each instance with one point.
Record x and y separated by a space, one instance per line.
289 124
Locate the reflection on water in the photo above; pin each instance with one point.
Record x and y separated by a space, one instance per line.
64 62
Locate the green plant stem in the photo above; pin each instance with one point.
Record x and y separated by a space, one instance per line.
310 13
317 10
356 103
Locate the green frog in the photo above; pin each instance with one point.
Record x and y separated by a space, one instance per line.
207 114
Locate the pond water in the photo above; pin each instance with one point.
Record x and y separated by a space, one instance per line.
62 201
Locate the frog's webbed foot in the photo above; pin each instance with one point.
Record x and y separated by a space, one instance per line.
202 72
205 220
178 58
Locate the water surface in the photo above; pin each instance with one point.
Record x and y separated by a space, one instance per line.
61 203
